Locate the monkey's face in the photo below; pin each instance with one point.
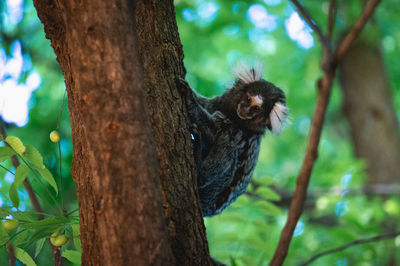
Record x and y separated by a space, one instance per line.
262 106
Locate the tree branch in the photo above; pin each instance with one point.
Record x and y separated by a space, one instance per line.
331 17
348 245
311 22
355 30
324 89
11 254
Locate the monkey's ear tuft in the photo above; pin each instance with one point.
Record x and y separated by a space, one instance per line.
278 117
246 73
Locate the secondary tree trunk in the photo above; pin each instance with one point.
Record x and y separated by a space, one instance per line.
127 216
162 58
371 113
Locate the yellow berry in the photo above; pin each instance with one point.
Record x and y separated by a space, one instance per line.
59 240
10 224
54 136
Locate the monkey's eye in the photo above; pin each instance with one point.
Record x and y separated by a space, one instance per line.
248 99
255 108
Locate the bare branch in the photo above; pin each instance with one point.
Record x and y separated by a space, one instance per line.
348 245
331 17
355 30
329 64
11 254
299 196
311 22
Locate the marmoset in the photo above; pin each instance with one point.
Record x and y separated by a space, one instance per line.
226 132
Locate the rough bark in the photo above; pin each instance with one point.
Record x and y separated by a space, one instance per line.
369 108
115 163
160 46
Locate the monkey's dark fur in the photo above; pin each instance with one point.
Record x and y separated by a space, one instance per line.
227 132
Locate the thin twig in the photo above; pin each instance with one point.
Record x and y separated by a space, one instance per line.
331 17
11 254
311 22
355 30
324 90
350 244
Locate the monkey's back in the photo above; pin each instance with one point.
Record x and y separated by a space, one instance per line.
226 166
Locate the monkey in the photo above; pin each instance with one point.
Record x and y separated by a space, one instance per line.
227 131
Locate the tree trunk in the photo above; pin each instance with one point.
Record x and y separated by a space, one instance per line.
371 113
127 216
162 58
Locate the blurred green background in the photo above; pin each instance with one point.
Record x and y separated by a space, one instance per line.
215 34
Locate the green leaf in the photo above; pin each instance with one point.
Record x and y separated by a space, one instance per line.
24 216
14 195
39 234
76 236
34 156
24 257
4 237
72 255
266 180
16 144
20 175
39 246
268 208
22 238
45 173
268 193
6 153
5 211
48 222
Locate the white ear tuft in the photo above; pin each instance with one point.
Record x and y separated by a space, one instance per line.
277 116
246 73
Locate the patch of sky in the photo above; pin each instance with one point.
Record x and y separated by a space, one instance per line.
344 192
299 31
236 7
299 230
27 63
23 195
14 96
66 147
189 15
231 30
258 15
1 201
206 12
256 35
8 177
13 66
302 125
341 208
272 2
346 179
13 15
341 262
3 61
